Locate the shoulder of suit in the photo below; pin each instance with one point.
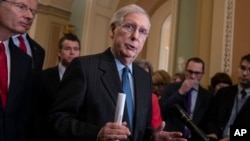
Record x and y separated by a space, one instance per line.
51 69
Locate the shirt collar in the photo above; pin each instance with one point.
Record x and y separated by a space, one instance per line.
247 90
120 66
61 70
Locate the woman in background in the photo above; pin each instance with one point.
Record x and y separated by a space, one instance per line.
156 112
219 80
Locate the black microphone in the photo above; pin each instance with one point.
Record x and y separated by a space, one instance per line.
181 114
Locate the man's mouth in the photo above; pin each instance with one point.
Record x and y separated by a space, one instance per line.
130 46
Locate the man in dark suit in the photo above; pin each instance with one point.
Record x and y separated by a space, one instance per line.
86 100
37 53
34 50
69 48
231 105
196 104
16 88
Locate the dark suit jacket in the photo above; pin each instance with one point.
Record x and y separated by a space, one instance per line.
87 96
172 96
50 81
38 54
15 120
221 111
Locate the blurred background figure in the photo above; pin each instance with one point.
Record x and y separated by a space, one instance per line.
178 77
219 80
145 65
191 96
68 49
156 112
160 79
230 106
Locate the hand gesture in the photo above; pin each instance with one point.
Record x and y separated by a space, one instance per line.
187 85
160 135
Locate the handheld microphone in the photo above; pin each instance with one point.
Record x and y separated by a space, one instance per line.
181 114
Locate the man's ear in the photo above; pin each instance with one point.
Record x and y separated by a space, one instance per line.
111 31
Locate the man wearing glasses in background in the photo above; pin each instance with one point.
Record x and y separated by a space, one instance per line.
232 107
189 94
16 17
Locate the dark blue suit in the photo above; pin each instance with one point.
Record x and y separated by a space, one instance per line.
171 97
87 97
50 81
15 120
34 75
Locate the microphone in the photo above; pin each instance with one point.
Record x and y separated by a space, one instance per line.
181 114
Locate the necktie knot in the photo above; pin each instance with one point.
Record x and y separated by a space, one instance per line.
126 70
20 38
243 93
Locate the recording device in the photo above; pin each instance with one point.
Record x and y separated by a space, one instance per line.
181 114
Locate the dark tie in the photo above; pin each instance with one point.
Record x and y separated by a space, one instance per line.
127 91
186 132
22 45
189 100
243 93
3 76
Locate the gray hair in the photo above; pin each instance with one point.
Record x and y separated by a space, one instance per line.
119 15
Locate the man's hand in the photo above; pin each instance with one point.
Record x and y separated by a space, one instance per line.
187 85
113 131
225 139
160 135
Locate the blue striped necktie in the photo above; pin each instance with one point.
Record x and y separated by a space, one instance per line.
127 91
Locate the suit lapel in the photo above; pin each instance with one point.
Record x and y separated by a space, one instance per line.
246 106
33 49
20 69
198 105
139 94
110 77
54 74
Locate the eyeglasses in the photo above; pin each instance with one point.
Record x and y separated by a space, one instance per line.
244 68
194 72
131 28
22 7
69 48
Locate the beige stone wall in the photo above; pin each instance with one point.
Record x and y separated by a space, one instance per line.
220 49
241 42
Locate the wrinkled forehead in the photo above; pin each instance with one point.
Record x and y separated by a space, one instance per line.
30 3
141 18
